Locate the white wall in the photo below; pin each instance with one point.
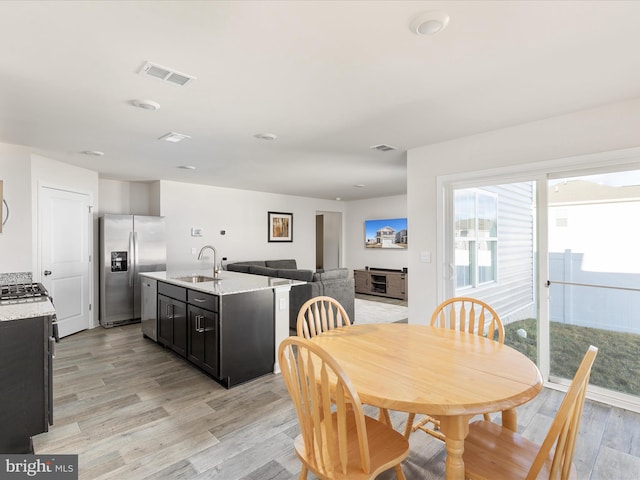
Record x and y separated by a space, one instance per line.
357 212
134 198
604 129
16 236
243 215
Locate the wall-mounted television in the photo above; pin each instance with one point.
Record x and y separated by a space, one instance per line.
386 233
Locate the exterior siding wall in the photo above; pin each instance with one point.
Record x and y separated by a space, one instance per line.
513 295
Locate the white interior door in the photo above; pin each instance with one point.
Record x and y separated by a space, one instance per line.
64 240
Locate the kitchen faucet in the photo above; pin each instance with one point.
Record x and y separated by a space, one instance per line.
216 270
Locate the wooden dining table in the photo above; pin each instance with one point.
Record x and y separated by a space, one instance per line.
448 374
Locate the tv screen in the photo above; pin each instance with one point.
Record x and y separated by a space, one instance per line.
386 233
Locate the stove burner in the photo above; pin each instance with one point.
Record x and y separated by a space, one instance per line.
22 293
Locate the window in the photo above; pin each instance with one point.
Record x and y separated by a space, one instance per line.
476 237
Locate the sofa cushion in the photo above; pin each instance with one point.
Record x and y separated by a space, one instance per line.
289 263
258 270
294 274
335 274
243 267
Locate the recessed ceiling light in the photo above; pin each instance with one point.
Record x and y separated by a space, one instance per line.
173 137
94 153
266 136
146 104
359 185
429 23
187 167
338 198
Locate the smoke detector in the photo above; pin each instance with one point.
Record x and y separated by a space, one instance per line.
146 104
165 74
429 23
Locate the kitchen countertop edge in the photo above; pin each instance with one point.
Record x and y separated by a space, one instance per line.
18 311
229 283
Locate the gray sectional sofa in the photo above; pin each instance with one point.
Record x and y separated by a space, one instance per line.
333 283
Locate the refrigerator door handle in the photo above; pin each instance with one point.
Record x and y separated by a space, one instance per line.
134 261
130 260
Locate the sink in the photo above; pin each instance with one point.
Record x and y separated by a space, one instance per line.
197 279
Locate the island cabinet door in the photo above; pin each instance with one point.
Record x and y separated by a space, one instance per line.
203 340
165 320
172 324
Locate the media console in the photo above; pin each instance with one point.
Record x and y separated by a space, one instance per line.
382 282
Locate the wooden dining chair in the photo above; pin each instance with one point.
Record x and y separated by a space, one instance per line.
336 439
492 451
319 314
465 314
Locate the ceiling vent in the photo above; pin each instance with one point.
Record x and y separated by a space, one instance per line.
382 147
165 74
173 137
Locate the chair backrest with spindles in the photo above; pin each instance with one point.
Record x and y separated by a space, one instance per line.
564 429
319 314
309 373
469 315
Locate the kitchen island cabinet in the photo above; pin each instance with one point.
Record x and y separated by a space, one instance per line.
227 328
172 318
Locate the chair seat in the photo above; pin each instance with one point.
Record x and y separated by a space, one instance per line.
386 446
493 452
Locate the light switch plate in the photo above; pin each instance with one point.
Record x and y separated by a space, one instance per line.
425 257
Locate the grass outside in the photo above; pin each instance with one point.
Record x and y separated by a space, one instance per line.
617 366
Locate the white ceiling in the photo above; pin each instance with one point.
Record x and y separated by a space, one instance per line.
330 78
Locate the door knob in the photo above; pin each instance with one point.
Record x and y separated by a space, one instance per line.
47 273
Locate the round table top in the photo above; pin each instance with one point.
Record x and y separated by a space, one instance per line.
423 369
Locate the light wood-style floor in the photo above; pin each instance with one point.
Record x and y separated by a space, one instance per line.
132 410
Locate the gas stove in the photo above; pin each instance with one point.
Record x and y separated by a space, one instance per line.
22 293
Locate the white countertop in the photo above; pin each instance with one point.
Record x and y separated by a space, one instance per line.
16 311
228 283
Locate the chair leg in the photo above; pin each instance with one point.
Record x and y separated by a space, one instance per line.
409 425
384 416
434 432
303 473
399 472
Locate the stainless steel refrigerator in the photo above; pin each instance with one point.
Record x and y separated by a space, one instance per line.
129 245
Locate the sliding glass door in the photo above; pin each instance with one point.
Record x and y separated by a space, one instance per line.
594 277
558 257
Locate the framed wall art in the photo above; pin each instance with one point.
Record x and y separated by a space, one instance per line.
280 227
